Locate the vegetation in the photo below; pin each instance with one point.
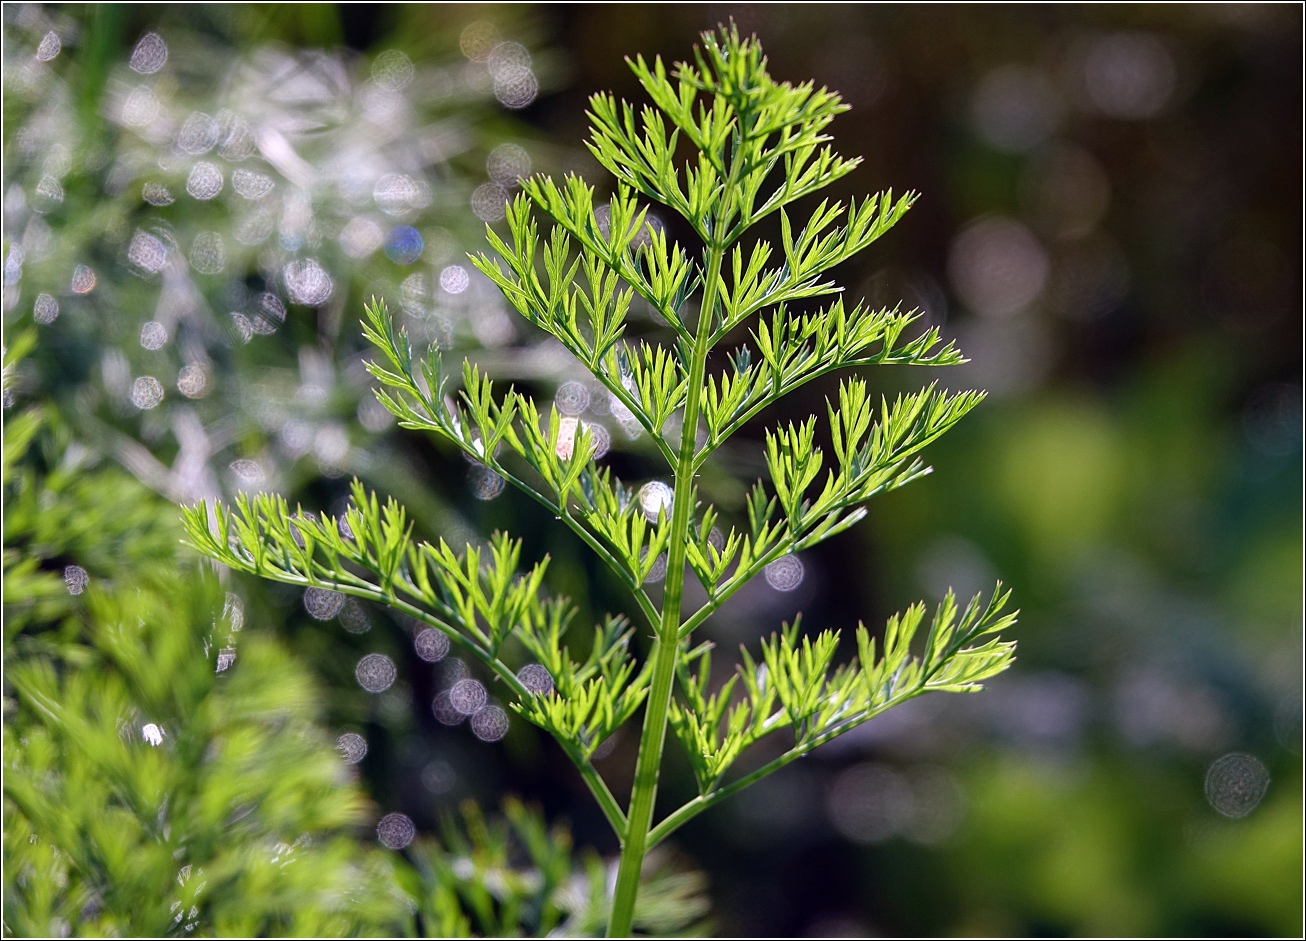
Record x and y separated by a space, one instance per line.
1102 230
757 147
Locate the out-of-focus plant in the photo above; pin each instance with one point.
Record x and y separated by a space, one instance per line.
476 884
194 218
1163 722
154 780
145 792
760 147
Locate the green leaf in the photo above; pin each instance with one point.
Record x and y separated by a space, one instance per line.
723 145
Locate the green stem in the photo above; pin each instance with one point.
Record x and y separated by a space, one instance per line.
643 796
644 793
599 788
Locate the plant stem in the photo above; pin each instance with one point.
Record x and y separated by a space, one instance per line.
644 794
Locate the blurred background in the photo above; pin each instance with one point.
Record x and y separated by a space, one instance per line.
197 201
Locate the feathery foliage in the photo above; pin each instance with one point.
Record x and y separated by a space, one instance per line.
758 146
147 793
162 769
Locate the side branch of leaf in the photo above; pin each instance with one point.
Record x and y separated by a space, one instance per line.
797 349
872 457
484 423
658 271
792 688
807 257
556 304
477 606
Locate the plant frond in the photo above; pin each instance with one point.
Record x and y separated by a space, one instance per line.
794 688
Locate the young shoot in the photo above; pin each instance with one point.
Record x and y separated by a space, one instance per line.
757 149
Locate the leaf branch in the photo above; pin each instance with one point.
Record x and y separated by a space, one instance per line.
562 465
956 658
262 537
